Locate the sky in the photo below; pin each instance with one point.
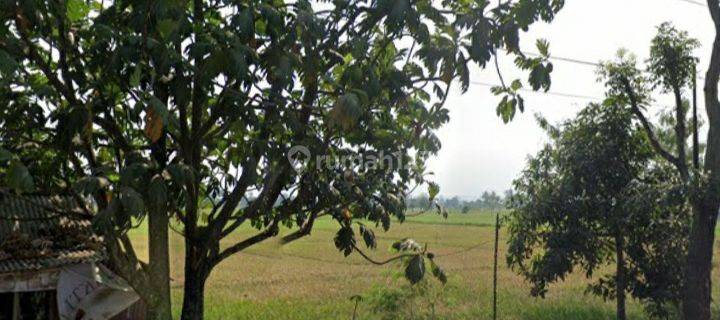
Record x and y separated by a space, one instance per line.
481 153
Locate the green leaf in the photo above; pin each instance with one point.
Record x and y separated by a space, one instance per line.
368 236
543 47
131 201
245 23
134 173
433 190
5 155
77 9
480 49
506 109
512 37
135 76
18 177
415 270
438 272
90 185
166 27
521 103
179 173
103 220
345 240
540 77
398 12
217 63
516 85
8 65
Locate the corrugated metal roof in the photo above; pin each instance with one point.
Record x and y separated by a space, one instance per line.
58 259
38 232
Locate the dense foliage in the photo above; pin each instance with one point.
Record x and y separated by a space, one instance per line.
595 195
671 68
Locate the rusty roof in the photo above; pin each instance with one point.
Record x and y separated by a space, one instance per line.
38 232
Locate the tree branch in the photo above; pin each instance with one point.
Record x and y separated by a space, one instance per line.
127 266
383 262
34 56
680 134
112 129
712 105
303 231
232 200
647 126
271 231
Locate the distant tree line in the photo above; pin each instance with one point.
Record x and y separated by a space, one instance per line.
489 200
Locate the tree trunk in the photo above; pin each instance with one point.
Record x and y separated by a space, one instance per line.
620 283
159 266
697 295
193 299
696 134
194 288
680 134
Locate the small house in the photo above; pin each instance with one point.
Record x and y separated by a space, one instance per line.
51 263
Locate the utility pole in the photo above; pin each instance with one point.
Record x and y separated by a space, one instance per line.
495 265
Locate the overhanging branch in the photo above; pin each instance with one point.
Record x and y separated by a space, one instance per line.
383 262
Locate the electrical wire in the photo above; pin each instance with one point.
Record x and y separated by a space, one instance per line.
550 93
697 3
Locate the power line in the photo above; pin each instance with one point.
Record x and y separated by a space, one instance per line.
697 3
552 57
550 93
594 64
580 61
571 60
575 61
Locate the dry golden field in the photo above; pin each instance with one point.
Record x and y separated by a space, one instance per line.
310 279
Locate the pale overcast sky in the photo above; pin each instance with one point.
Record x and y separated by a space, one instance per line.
481 153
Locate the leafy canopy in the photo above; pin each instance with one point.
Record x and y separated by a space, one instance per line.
191 108
672 63
594 187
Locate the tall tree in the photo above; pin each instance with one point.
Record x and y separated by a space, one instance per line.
671 67
184 110
583 202
698 269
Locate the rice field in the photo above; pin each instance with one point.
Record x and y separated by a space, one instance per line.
310 279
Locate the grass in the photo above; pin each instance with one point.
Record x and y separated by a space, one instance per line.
310 279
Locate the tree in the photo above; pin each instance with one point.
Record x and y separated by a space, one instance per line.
671 68
658 243
418 203
184 110
584 201
698 268
491 200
